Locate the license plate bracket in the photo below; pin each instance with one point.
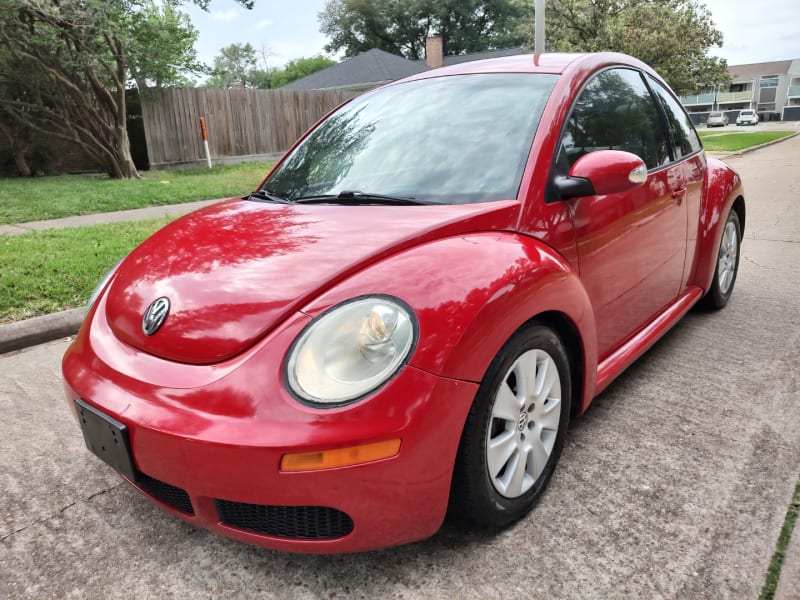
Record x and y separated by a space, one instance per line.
106 438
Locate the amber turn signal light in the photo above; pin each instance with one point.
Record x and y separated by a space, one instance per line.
341 457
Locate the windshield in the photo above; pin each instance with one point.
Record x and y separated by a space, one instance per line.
454 140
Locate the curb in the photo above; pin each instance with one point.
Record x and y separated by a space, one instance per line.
30 332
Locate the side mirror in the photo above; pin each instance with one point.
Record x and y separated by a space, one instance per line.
602 172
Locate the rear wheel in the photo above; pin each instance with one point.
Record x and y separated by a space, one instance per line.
515 430
727 263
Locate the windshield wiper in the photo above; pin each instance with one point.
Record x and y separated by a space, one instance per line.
268 196
358 198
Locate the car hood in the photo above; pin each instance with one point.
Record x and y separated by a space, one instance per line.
235 270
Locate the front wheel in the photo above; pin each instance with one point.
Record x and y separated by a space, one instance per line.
727 264
515 430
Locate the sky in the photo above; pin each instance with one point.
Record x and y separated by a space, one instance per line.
282 30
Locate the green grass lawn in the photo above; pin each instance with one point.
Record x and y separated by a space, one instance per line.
48 271
738 140
32 199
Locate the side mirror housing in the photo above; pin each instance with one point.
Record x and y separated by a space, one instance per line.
602 172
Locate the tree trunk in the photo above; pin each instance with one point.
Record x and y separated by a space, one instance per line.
127 165
18 150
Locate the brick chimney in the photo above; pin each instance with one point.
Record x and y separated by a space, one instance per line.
434 51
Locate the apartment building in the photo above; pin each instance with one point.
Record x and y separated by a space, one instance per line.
771 88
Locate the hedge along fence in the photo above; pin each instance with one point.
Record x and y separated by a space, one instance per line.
240 122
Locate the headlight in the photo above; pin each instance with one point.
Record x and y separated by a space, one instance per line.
103 282
351 350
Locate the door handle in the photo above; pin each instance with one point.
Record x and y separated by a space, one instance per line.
679 194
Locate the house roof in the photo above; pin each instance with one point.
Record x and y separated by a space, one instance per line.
753 71
366 69
374 67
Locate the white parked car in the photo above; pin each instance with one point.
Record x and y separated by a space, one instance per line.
747 117
717 119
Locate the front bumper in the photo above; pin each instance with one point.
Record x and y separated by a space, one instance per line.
207 442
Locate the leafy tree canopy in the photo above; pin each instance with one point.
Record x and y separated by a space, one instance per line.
65 66
236 65
401 26
299 68
232 66
672 36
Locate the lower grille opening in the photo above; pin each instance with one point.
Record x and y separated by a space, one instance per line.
173 496
298 522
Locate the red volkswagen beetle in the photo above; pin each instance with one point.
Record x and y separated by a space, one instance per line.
402 319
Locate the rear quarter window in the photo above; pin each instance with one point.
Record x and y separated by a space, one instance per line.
684 136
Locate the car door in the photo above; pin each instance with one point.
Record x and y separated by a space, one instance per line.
689 158
631 246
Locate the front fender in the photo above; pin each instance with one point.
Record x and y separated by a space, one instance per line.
722 188
470 294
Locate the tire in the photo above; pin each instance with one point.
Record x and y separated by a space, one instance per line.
727 264
514 432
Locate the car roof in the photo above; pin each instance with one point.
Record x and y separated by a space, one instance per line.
553 63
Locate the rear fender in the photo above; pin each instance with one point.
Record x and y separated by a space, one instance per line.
722 189
470 294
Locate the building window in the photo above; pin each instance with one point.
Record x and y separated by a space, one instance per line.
768 81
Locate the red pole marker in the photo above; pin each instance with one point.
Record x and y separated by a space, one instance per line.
205 140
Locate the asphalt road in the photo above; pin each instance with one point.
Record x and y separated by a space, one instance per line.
673 485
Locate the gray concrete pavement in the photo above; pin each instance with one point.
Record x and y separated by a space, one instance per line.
136 214
673 485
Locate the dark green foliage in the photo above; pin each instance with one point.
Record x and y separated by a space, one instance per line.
401 26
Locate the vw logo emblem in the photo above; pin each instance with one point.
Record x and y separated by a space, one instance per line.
155 315
522 421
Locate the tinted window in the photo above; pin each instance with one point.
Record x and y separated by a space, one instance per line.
616 111
683 134
456 139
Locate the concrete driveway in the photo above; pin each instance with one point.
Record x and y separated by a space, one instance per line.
673 485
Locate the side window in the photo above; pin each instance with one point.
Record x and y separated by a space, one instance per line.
615 111
683 134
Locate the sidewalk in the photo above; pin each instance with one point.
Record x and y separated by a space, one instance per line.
136 214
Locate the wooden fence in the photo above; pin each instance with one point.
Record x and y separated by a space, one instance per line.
239 122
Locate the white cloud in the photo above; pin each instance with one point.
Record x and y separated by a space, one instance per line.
226 16
262 24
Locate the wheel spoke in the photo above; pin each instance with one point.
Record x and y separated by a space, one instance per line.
549 415
515 475
499 450
546 377
525 372
539 455
506 404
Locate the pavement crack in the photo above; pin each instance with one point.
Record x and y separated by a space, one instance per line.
760 266
763 239
60 511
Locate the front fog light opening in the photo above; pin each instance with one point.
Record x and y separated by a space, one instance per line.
351 350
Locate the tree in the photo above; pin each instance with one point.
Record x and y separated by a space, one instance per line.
232 66
83 54
161 48
672 36
298 68
401 26
235 65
